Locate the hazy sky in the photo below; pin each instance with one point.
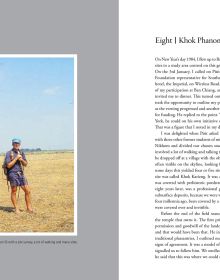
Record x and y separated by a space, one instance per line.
36 102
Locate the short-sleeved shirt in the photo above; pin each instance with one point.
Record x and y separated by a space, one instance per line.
17 166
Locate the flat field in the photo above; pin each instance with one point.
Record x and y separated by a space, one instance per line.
51 179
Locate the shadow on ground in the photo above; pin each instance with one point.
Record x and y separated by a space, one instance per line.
6 209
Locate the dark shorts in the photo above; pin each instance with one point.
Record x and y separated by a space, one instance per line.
17 179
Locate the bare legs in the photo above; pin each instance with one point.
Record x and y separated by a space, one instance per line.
14 199
27 192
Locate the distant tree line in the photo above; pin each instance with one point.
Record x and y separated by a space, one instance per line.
31 150
39 150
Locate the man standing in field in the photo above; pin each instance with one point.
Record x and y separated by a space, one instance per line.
15 161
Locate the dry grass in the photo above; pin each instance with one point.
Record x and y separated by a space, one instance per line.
50 177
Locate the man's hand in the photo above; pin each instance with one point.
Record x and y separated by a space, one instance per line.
19 157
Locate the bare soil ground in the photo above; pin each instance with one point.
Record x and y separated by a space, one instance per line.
51 179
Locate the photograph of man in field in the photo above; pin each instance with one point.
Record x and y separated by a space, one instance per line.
37 144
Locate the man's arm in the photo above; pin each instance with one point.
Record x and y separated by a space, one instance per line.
12 163
23 159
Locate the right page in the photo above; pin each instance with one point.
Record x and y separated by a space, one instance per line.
185 85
